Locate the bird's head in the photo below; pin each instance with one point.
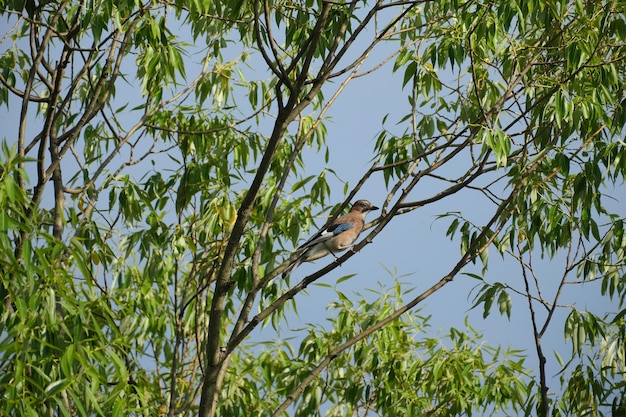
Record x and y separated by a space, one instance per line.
363 206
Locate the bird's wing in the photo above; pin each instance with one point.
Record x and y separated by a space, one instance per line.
335 229
326 234
310 245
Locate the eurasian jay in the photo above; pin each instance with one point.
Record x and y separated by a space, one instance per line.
339 236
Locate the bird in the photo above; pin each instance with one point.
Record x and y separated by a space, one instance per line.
338 236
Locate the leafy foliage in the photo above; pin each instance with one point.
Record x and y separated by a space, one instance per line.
159 172
448 375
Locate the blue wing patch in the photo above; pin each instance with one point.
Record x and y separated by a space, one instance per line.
339 228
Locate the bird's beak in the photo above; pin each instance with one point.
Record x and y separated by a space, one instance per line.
373 208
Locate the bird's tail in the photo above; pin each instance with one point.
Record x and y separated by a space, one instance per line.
293 266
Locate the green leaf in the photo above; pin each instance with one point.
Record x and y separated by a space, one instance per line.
345 278
505 303
57 386
409 72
